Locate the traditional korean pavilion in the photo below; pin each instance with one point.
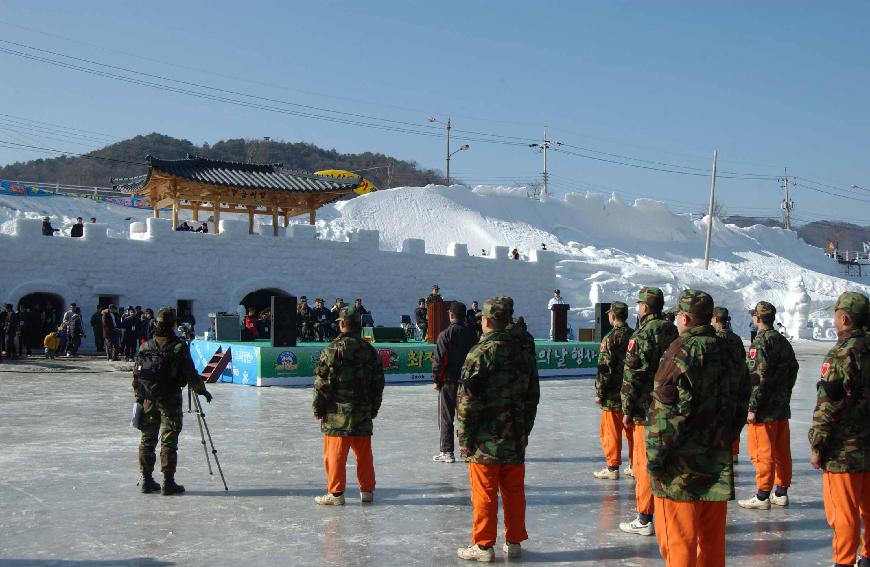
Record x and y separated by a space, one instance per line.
214 187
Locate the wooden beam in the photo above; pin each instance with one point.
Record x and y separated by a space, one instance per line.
250 220
216 215
274 221
286 218
195 207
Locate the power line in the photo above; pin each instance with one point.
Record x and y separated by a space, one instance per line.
86 156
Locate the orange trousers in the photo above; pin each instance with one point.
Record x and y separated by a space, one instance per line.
611 430
642 482
486 483
847 503
691 533
335 449
770 453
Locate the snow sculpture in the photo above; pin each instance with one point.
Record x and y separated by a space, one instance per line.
797 310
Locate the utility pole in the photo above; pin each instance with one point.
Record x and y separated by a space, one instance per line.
544 146
447 176
710 214
787 203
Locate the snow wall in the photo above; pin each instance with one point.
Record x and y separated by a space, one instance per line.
158 266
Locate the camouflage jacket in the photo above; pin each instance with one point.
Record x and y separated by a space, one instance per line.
841 420
522 339
496 402
349 386
611 360
739 373
433 298
645 348
688 439
773 370
181 366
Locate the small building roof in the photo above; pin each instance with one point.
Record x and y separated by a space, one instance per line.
270 177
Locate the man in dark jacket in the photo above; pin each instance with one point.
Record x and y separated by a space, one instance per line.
111 326
130 334
47 229
10 327
452 346
78 229
97 328
421 316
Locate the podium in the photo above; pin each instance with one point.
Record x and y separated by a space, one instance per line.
559 321
437 320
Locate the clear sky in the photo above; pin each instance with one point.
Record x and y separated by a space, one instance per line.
768 84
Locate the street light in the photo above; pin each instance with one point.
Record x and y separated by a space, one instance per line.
448 153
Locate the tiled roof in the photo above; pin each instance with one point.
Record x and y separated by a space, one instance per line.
242 175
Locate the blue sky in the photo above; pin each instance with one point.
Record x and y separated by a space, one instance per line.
768 84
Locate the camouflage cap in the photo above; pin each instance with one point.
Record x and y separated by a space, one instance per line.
497 308
509 303
348 314
435 286
721 313
619 309
695 302
165 315
303 299
652 296
854 303
763 308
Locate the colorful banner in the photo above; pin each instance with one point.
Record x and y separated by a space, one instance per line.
13 188
365 186
132 201
260 364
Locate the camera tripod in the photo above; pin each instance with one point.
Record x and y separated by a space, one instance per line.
203 432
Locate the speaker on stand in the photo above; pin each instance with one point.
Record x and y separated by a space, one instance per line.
602 321
283 331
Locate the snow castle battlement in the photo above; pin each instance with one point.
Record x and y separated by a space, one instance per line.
158 266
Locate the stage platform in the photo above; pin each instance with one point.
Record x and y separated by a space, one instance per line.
258 363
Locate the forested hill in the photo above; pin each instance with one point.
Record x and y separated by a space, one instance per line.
390 172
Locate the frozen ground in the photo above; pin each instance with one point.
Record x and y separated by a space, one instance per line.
68 476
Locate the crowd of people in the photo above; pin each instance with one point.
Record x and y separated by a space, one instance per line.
77 230
34 328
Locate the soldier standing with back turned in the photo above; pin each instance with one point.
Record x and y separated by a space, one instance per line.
163 368
608 385
347 396
645 348
739 371
689 440
840 435
773 370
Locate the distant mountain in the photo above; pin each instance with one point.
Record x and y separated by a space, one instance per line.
844 235
126 159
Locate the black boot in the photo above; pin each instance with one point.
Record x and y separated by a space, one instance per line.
149 485
170 487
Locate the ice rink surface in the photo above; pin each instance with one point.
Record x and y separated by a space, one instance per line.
68 474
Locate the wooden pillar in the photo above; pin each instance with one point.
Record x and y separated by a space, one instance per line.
195 205
274 221
156 212
174 213
286 218
250 220
311 213
216 215
155 198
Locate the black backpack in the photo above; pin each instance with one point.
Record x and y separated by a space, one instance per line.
153 371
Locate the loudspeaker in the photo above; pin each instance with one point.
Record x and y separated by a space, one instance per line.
283 321
384 334
602 321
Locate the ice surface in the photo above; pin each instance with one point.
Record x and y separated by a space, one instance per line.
68 475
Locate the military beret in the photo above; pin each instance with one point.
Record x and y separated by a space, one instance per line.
652 296
166 315
763 308
695 302
853 303
348 314
619 309
496 308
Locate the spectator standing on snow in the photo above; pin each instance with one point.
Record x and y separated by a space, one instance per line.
22 332
76 330
129 334
47 229
78 229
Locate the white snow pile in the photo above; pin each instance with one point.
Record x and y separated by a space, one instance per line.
608 248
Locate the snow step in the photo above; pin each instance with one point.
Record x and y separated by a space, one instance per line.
216 366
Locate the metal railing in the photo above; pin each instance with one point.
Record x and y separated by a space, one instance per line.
86 191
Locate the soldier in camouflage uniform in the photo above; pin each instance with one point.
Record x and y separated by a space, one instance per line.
162 418
496 407
347 396
435 296
840 435
321 317
645 348
608 385
305 322
739 371
689 439
773 370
